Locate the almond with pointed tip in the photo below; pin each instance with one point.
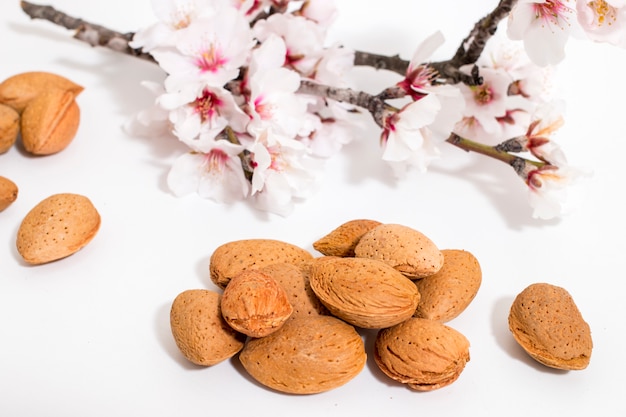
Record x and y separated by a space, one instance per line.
364 292
342 240
20 89
50 122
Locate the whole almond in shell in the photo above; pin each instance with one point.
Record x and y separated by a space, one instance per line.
448 292
8 192
546 322
57 227
307 355
402 247
200 332
364 292
342 240
20 89
50 122
9 127
231 258
295 281
423 354
255 304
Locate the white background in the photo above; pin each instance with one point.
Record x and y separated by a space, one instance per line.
89 335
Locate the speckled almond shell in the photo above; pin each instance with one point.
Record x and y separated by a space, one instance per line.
342 240
19 90
406 249
448 292
308 355
200 332
8 192
255 304
233 257
546 322
9 127
423 354
364 292
295 282
57 227
49 122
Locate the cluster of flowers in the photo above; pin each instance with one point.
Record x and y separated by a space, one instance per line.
233 94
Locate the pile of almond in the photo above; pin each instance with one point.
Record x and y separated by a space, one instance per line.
42 107
295 319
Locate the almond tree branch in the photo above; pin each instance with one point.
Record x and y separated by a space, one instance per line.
94 35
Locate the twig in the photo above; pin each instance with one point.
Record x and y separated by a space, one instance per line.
94 35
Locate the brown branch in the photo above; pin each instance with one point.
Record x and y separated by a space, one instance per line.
374 104
94 35
473 46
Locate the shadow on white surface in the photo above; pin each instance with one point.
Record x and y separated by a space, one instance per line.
505 340
166 340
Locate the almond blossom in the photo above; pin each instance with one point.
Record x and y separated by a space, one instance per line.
210 52
405 134
272 102
173 17
282 172
603 20
212 171
544 27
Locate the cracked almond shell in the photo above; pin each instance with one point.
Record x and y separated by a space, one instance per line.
423 354
255 304
548 325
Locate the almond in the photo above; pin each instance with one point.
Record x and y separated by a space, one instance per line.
448 292
308 355
8 192
19 90
402 247
342 240
50 122
57 227
200 332
546 322
236 256
296 283
255 304
364 292
9 127
423 354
